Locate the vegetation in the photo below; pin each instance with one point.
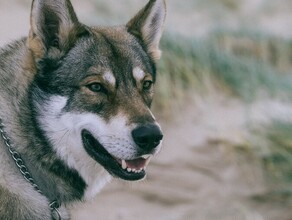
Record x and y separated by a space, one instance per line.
194 64
240 65
273 147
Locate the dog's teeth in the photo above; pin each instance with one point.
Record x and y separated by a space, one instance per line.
146 156
124 164
147 162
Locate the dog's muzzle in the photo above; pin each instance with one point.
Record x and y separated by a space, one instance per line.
147 138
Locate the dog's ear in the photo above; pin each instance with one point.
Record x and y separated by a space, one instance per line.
148 25
53 25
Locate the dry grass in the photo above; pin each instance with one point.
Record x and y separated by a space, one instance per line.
221 63
275 155
235 65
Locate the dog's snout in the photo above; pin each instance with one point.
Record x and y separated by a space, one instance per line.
148 136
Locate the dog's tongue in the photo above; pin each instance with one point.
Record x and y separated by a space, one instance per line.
136 164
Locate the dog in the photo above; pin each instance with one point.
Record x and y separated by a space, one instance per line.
75 108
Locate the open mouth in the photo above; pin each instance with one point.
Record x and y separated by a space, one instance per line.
125 169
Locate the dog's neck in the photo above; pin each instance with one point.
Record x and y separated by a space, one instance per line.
54 205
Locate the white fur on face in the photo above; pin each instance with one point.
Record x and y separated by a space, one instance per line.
63 129
138 74
109 77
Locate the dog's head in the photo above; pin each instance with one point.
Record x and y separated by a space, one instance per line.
93 88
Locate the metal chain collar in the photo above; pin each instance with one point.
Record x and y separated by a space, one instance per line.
24 171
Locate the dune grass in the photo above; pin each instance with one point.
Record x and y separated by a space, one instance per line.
203 64
201 67
276 160
280 158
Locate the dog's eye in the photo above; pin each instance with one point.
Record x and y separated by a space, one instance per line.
96 87
147 85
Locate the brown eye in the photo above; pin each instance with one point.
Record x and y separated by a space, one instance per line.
96 87
147 85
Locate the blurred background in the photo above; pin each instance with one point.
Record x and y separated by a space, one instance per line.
224 99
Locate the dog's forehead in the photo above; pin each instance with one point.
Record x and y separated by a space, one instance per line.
121 52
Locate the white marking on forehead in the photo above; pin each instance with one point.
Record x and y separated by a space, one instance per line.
109 77
138 73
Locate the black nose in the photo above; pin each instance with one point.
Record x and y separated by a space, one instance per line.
148 136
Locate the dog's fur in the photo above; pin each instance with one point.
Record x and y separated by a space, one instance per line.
75 103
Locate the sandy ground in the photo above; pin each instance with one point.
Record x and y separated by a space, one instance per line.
202 173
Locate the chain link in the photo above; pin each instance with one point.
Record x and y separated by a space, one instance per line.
17 159
54 209
24 171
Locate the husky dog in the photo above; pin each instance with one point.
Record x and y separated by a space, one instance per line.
75 108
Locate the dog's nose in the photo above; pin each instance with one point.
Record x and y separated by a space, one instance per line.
147 136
